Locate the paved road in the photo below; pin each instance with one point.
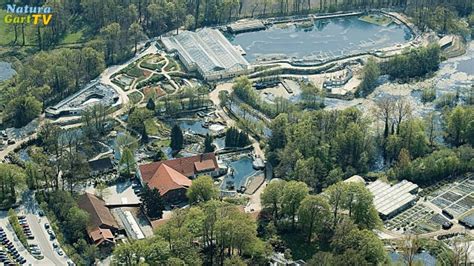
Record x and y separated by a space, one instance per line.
30 208
42 239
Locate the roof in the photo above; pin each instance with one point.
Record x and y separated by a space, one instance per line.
102 164
355 179
100 235
99 214
186 165
205 165
155 224
388 199
208 49
468 220
166 179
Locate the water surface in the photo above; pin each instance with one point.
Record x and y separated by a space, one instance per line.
326 38
6 71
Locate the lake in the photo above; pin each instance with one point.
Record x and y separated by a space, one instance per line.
326 38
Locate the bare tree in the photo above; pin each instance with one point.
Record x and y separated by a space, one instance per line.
403 109
460 246
409 247
384 112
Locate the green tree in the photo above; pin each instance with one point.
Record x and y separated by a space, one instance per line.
313 214
75 223
460 125
272 198
208 145
21 110
153 203
370 74
127 161
150 105
293 193
136 34
177 139
202 189
136 121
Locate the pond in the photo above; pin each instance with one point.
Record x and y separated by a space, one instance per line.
6 71
326 38
239 171
195 126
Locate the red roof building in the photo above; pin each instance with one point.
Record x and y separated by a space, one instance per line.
173 177
101 224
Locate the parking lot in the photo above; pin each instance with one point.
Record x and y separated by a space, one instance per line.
43 241
7 233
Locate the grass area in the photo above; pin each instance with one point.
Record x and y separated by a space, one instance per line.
377 19
135 97
6 30
132 70
73 37
151 127
173 65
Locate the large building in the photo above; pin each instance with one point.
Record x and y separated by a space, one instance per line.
102 225
173 177
75 104
391 200
209 52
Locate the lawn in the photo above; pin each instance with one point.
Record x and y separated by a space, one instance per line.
135 97
73 37
151 127
377 20
6 30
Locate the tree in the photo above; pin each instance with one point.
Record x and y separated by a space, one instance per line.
75 223
136 121
313 214
409 248
177 139
272 196
460 125
136 34
153 203
234 261
367 247
21 110
293 193
94 120
208 145
202 189
370 74
235 138
150 105
127 161
12 178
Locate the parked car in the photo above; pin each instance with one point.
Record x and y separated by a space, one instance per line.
46 226
60 252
